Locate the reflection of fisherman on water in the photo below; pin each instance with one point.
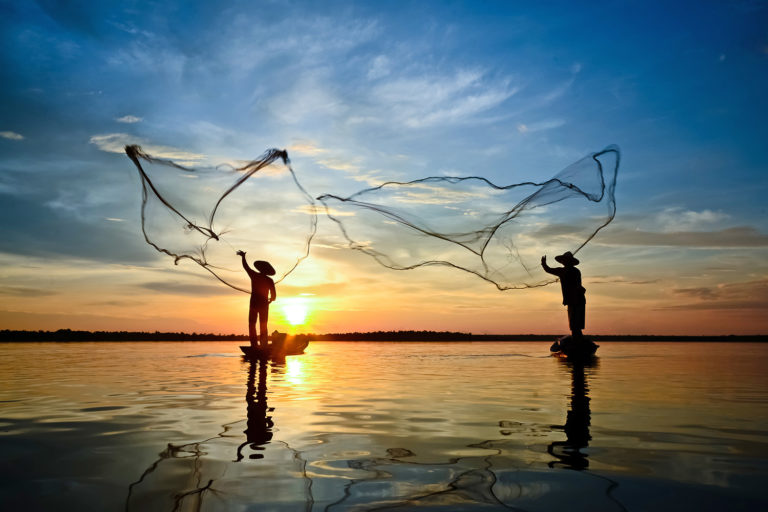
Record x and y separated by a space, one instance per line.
258 431
577 424
573 292
262 294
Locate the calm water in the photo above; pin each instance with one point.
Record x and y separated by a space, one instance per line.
383 426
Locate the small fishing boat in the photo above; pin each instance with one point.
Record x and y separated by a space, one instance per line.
574 349
282 345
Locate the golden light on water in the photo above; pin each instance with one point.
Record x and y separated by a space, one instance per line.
294 371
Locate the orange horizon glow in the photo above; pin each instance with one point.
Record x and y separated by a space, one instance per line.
325 296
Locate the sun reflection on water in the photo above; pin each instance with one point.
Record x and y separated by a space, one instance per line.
294 371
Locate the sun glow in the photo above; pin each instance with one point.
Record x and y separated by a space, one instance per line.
295 310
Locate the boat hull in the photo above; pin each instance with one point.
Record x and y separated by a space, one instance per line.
276 350
573 349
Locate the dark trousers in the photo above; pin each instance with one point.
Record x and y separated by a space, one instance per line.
576 313
258 312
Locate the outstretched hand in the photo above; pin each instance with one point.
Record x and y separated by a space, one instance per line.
241 253
543 260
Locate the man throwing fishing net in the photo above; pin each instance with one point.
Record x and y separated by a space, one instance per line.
262 293
573 292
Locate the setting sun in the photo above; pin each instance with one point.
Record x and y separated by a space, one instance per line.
295 310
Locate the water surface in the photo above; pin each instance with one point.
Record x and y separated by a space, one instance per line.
383 426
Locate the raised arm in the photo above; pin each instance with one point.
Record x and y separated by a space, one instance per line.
548 269
248 269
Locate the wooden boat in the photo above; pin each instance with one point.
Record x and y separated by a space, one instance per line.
280 347
573 349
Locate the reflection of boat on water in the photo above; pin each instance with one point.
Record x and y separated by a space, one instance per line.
282 345
577 422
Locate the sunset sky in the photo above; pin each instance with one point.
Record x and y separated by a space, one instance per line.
363 92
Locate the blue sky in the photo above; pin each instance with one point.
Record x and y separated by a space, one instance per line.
361 93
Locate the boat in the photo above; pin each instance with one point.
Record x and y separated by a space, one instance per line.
574 349
282 345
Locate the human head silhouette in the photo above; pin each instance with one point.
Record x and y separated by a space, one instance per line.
567 259
264 267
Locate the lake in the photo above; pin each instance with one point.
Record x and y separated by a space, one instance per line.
383 426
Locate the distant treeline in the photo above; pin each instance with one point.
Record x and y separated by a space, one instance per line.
70 335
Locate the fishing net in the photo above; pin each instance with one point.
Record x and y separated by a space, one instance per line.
204 214
496 232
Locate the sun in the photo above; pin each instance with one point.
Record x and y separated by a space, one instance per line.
295 310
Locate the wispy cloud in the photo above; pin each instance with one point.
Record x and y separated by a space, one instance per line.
331 160
697 293
422 101
380 67
186 289
679 219
427 193
620 280
116 142
128 119
339 164
309 148
23 291
311 98
540 125
728 296
742 236
315 210
11 135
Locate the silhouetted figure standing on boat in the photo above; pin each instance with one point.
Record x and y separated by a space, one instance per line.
573 292
262 293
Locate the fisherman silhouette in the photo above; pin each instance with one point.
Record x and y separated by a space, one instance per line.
573 292
262 293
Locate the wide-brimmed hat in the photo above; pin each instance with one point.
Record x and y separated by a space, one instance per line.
566 259
264 267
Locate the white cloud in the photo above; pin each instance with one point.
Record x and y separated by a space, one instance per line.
538 126
11 135
425 101
678 219
128 119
